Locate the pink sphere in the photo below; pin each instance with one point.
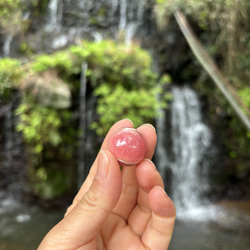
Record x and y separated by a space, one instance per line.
128 146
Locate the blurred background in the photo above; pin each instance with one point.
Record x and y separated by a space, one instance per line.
69 69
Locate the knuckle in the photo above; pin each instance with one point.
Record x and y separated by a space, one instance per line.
89 201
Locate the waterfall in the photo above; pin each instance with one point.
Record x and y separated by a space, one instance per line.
190 143
72 20
6 46
114 6
54 15
58 39
123 14
131 16
97 36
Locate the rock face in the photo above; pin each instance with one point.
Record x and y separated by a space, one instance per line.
65 22
69 20
48 90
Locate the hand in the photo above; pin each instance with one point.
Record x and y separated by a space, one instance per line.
116 209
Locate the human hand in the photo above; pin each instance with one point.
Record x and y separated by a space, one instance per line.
116 209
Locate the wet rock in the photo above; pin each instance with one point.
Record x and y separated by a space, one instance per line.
48 90
234 214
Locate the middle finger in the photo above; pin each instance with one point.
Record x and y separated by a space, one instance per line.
129 193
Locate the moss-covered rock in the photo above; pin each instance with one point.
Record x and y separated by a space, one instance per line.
47 89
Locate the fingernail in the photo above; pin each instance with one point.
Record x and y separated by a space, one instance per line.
162 191
150 125
103 165
126 119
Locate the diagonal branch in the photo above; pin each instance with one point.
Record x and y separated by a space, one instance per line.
208 64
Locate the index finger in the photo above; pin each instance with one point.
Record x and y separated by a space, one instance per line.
87 183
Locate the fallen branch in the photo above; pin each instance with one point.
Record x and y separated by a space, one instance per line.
208 64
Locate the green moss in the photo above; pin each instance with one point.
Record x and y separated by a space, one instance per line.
49 183
245 96
7 7
113 104
39 125
49 150
11 73
60 61
25 49
11 16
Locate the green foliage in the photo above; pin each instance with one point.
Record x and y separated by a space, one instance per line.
122 77
123 82
114 104
113 63
192 6
10 75
245 95
202 11
60 60
239 144
230 131
10 16
224 31
39 126
48 147
225 26
50 182
25 49
39 7
7 7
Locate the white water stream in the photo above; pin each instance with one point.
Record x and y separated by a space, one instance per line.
7 44
186 156
54 15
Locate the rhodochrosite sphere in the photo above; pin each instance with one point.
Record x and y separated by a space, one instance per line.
128 146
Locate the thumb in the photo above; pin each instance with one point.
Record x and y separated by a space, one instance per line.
85 220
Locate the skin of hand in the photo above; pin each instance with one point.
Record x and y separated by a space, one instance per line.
116 209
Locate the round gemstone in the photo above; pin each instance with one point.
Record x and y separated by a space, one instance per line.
128 146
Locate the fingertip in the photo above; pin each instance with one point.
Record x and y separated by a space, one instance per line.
149 125
160 202
120 124
160 228
148 176
149 133
127 120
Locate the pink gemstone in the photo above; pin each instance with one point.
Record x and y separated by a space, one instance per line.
128 146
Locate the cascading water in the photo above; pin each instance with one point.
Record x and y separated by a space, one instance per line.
54 15
131 16
123 14
185 157
66 22
123 20
6 46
